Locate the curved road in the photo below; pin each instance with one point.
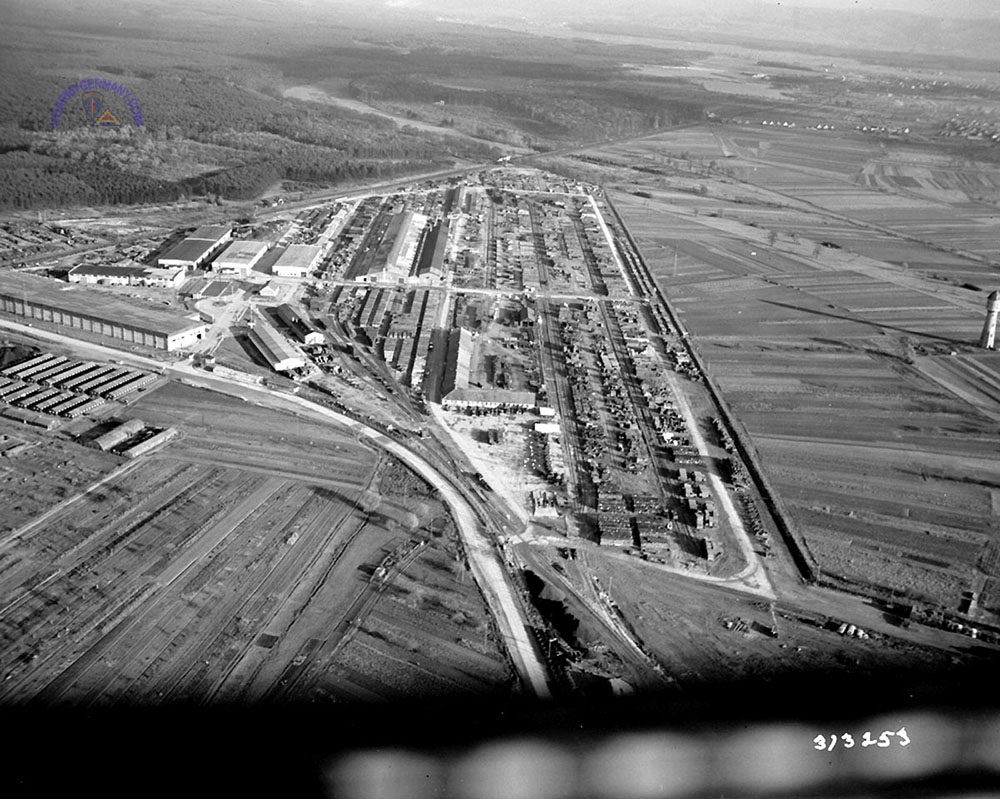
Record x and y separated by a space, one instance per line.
484 560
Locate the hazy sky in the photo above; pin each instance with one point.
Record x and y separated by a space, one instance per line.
945 8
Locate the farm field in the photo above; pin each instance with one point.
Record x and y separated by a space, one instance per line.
237 565
854 373
50 469
838 175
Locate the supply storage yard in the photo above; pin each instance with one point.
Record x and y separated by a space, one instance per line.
511 329
840 324
546 319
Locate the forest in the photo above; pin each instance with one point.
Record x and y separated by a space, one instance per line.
217 122
202 136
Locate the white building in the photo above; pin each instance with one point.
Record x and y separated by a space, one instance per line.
240 257
298 260
275 348
164 277
106 275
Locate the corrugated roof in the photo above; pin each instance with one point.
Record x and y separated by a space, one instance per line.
274 346
187 250
300 256
242 252
86 302
108 271
211 232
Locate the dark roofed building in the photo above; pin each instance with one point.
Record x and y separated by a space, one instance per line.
304 330
189 253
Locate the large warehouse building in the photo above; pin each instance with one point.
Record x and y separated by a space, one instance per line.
195 250
240 257
297 261
275 348
77 309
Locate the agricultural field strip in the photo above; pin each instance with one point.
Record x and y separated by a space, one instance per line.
65 558
26 529
779 168
958 462
252 553
260 504
311 576
819 492
317 653
299 476
949 313
914 285
125 614
877 225
968 384
212 647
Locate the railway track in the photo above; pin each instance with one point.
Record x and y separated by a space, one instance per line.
305 664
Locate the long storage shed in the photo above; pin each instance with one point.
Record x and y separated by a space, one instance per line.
17 368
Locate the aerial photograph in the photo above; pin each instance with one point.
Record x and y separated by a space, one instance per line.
505 400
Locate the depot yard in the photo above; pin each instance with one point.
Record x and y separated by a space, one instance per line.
845 351
215 569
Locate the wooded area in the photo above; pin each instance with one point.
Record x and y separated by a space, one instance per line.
253 141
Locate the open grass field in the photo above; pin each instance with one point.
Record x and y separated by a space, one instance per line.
838 360
232 566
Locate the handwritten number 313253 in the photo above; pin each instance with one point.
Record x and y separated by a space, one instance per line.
846 740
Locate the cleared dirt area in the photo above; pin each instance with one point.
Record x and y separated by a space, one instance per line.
704 634
235 566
